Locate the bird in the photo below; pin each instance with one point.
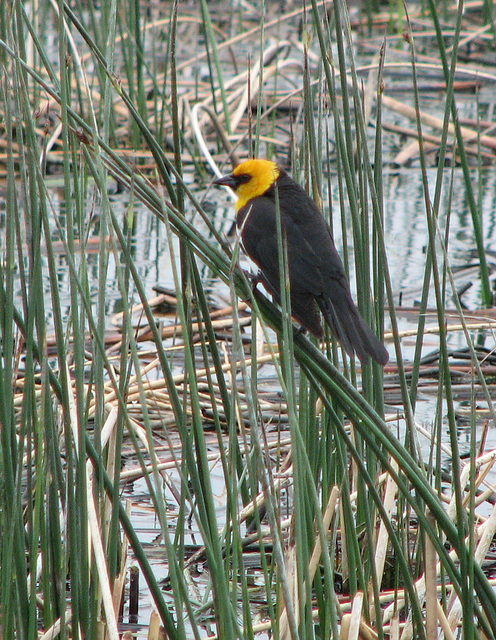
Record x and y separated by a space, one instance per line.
317 279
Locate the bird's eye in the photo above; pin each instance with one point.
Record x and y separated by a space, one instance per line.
243 178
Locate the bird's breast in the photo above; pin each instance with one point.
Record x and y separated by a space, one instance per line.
257 235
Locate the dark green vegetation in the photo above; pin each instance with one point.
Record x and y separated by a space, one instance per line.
306 475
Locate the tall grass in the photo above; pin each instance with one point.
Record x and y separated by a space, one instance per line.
356 494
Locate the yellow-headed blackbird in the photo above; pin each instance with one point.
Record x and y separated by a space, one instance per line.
316 274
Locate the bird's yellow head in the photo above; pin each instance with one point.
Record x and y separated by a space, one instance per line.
250 179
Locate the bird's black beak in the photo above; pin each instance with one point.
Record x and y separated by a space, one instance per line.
229 181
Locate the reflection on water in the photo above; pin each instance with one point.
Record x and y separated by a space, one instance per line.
406 225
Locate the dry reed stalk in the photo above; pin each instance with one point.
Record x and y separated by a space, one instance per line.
120 580
140 381
390 494
437 123
314 561
454 606
431 622
353 626
291 564
98 549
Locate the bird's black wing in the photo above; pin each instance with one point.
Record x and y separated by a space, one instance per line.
257 223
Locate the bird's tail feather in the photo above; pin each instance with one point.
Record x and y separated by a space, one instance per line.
345 322
352 331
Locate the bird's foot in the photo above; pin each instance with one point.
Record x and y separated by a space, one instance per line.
256 279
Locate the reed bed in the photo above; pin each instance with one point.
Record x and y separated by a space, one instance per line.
296 494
